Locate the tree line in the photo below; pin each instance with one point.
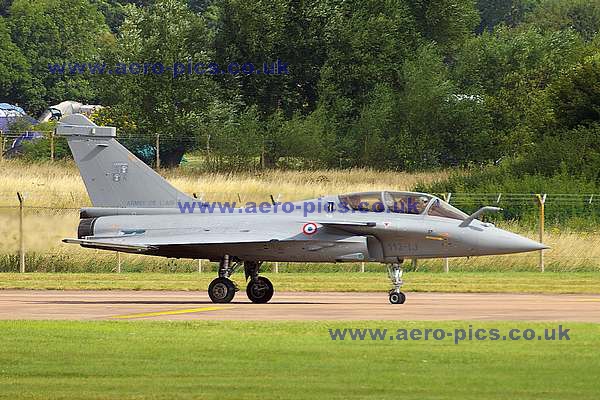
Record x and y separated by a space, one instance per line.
386 84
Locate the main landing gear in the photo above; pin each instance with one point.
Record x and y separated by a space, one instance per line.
259 289
222 289
395 274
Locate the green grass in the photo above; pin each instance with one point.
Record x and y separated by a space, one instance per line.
493 282
259 360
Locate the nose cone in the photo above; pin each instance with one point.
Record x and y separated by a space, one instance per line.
499 241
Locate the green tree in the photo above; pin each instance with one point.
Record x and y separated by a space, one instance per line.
5 7
14 68
51 31
583 16
422 107
508 12
310 139
511 69
232 139
446 22
175 108
440 126
367 43
576 94
376 132
113 12
263 32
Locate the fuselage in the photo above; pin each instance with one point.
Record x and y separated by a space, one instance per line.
382 231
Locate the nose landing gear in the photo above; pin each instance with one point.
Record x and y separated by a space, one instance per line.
395 274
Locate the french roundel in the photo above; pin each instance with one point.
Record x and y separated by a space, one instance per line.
309 228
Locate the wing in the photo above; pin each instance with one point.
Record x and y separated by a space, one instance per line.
142 243
109 244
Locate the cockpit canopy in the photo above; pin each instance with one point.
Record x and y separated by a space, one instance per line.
401 202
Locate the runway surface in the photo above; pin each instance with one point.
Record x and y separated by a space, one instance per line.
159 305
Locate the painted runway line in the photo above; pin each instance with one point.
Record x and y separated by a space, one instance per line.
170 312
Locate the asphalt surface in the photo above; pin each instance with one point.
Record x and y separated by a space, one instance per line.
159 305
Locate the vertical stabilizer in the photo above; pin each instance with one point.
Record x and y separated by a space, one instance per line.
113 176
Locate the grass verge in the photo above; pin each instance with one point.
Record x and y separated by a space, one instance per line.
490 282
252 360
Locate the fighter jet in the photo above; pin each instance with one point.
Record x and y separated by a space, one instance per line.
136 211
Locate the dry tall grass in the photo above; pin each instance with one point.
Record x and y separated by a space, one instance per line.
58 184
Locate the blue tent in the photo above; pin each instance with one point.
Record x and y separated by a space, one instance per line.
10 114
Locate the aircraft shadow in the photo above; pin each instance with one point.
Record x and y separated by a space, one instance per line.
158 302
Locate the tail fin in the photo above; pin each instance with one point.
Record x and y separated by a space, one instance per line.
113 176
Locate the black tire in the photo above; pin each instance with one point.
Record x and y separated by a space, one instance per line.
260 290
221 290
397 298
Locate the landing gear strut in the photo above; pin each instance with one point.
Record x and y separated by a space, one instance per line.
259 289
222 289
395 274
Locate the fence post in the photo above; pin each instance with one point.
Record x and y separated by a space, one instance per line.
276 268
1 144
414 264
362 266
118 262
52 146
21 239
447 197
158 151
199 265
541 202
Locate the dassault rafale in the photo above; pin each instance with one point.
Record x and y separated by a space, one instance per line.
135 210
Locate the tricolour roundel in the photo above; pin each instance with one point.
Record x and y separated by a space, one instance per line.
309 228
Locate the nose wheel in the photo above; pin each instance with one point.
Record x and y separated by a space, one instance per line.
395 274
397 298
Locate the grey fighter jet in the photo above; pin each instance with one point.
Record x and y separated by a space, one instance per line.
135 210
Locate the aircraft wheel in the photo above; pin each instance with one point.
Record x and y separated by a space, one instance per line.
260 290
397 298
221 290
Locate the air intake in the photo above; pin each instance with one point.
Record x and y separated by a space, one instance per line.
86 227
